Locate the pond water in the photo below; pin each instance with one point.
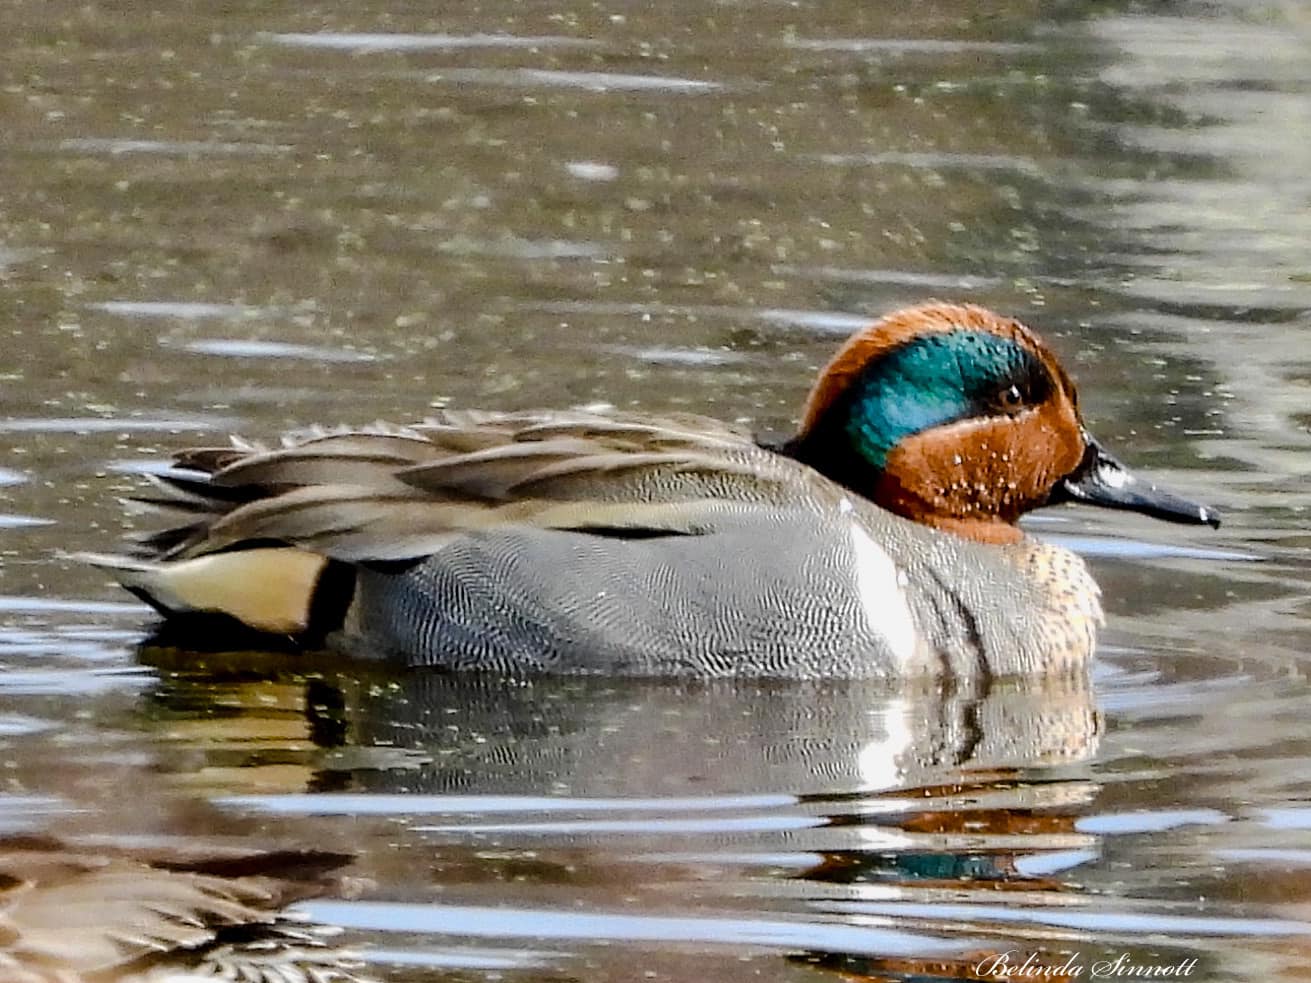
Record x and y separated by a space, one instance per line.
251 216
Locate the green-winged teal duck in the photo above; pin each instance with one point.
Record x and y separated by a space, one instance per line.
880 541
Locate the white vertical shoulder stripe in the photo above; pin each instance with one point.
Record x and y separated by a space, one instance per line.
882 590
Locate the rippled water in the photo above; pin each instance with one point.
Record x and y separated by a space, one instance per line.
248 217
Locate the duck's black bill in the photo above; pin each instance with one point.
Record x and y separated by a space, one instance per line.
1102 480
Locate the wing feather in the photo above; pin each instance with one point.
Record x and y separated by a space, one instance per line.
384 492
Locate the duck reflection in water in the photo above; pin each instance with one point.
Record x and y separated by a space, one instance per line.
599 794
87 912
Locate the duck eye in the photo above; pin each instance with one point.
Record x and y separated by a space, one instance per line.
1010 400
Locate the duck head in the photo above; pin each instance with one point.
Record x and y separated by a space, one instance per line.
958 418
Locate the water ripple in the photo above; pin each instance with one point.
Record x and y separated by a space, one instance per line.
423 42
1122 823
938 162
1129 921
825 322
909 46
9 520
12 604
589 81
585 926
181 309
175 423
250 348
118 146
382 804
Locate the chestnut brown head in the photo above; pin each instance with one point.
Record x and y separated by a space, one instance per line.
959 418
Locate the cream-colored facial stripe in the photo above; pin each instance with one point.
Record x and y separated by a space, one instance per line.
881 587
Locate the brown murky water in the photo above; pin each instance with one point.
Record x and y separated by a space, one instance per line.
250 216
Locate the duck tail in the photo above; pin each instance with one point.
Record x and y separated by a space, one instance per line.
277 590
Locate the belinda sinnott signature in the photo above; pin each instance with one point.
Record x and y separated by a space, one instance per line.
1014 964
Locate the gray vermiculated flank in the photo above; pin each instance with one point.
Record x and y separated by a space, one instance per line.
753 599
769 593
